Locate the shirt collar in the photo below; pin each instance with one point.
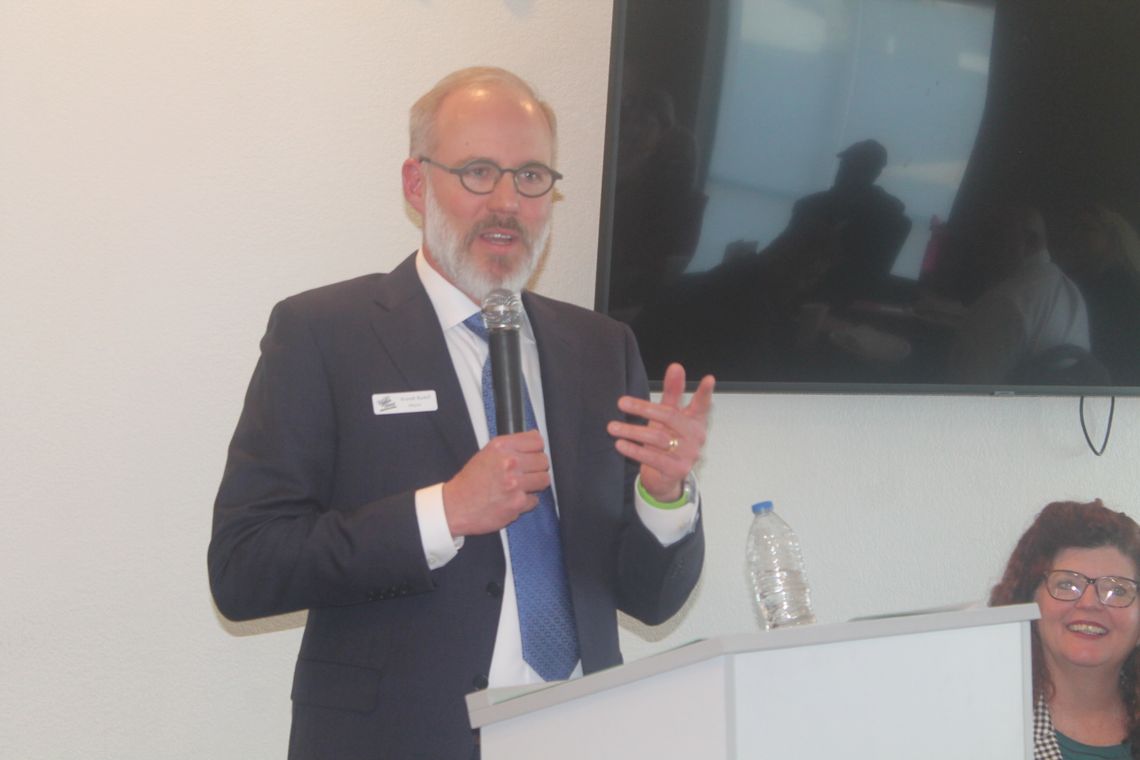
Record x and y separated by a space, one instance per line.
451 304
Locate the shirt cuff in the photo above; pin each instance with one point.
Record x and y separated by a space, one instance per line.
439 547
668 525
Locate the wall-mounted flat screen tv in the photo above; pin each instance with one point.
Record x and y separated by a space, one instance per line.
877 195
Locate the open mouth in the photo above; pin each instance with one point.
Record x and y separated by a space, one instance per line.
497 237
1088 629
499 232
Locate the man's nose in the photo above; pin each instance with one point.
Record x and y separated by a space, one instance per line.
504 195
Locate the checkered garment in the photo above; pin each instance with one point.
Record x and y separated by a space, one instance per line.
1045 745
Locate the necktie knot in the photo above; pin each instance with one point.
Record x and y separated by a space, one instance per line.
475 324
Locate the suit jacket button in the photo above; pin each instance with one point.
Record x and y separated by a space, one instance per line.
480 681
495 589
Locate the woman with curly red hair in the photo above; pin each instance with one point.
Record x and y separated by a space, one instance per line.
1080 562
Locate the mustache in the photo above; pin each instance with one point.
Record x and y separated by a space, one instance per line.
500 222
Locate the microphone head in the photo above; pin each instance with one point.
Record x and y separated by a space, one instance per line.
502 310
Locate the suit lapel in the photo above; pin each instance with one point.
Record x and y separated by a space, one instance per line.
407 327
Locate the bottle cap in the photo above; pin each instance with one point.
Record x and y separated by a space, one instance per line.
761 506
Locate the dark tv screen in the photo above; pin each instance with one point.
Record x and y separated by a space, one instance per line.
877 195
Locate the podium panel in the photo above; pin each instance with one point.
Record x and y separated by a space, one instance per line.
895 697
944 685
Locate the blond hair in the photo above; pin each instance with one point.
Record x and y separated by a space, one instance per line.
421 125
1124 241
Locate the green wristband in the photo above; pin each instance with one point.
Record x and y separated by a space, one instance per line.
686 496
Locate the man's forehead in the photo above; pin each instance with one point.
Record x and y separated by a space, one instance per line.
479 98
478 113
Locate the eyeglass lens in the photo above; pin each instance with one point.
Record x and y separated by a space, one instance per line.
531 180
1068 586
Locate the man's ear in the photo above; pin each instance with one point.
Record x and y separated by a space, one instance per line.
414 182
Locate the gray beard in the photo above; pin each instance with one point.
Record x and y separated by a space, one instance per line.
450 249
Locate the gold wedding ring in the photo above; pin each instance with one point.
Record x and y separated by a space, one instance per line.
673 444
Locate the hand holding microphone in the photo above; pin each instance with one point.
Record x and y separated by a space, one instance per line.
503 479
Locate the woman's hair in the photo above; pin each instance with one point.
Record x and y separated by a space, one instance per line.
1121 239
1063 525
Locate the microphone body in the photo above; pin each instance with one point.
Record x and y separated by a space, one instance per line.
502 313
506 378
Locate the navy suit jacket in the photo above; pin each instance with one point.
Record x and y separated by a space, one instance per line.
316 511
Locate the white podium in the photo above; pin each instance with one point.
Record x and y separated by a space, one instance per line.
939 685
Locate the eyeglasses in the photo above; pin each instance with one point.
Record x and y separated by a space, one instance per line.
1112 590
532 180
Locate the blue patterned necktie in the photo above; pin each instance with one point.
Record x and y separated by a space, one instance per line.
546 614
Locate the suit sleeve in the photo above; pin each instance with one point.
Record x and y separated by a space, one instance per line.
654 581
280 543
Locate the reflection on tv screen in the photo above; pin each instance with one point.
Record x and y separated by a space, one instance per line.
878 194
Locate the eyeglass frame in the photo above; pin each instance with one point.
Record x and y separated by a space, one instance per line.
1094 582
459 171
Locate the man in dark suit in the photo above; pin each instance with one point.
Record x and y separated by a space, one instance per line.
363 482
870 222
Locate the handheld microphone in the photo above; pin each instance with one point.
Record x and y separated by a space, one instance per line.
502 314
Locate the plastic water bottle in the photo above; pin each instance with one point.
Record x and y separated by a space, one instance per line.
776 571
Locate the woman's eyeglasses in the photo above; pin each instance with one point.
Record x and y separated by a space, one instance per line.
1111 590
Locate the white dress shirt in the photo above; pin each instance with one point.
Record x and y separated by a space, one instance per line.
468 354
1035 309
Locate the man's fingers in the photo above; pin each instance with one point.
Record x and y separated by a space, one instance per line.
663 412
639 407
673 385
701 402
649 456
498 484
529 441
650 436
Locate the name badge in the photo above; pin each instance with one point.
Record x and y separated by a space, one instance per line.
404 403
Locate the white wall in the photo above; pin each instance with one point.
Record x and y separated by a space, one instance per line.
169 170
